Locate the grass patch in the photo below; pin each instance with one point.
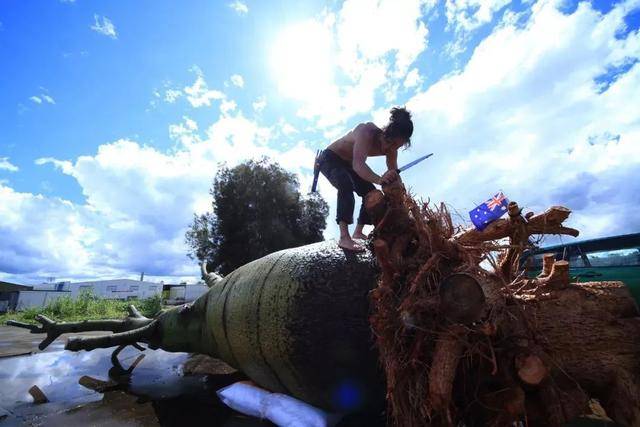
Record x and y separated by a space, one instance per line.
87 306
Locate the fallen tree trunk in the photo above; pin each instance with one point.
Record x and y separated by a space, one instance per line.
457 343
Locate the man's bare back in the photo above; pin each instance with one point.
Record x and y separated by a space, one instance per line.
343 147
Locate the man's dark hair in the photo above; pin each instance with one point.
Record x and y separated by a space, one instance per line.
400 124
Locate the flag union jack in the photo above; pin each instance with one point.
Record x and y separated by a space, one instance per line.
495 201
489 211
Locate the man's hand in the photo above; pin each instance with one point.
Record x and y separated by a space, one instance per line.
389 176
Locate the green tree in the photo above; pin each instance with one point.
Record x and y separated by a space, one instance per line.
257 209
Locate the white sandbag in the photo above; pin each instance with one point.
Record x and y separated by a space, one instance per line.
244 398
285 411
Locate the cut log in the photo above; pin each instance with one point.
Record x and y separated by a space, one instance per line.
461 299
531 369
558 277
547 264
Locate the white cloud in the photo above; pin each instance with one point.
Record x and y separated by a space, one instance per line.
103 25
227 105
199 94
185 133
42 98
259 104
57 241
139 202
465 16
525 116
171 95
370 43
6 165
413 79
49 99
468 15
240 7
287 128
237 80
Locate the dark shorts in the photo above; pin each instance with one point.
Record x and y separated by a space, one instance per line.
341 175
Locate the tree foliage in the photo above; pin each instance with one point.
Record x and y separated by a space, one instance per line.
257 209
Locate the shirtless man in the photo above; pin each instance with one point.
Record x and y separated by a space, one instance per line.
343 163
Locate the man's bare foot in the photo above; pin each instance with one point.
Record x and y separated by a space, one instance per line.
348 244
359 236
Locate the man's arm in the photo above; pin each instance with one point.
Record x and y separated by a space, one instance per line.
392 160
363 138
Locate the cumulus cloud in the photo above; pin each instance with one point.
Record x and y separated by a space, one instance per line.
36 99
199 94
371 44
259 104
42 234
237 80
139 202
171 95
412 79
227 105
526 115
240 7
104 26
465 16
6 165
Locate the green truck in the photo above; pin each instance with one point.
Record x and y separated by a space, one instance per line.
605 259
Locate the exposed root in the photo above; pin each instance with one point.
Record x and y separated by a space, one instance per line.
476 354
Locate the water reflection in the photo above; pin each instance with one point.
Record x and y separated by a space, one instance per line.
84 388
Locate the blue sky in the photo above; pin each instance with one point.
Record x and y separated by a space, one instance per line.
115 115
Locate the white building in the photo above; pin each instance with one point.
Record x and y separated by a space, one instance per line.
117 289
108 289
179 294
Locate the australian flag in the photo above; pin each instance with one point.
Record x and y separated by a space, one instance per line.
489 211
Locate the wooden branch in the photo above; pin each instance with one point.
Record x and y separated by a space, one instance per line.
55 329
131 337
549 222
555 215
38 395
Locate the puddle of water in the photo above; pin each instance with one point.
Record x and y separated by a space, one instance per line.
57 373
155 392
